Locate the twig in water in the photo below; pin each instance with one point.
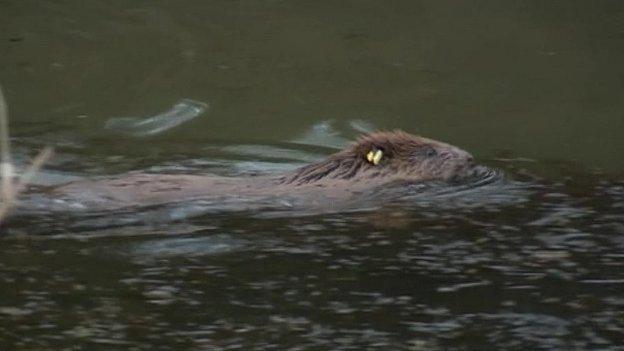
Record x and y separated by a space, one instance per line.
10 189
6 168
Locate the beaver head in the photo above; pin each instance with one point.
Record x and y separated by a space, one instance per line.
387 156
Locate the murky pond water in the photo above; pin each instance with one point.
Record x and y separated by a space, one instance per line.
534 261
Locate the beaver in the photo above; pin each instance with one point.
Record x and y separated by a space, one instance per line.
372 161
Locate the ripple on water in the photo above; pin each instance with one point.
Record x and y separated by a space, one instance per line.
189 246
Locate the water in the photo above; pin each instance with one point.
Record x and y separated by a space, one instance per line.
181 112
530 88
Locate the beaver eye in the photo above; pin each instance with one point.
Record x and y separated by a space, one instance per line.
374 156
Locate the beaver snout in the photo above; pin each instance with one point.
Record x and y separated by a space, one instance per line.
460 163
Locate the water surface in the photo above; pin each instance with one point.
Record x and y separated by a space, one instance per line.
532 88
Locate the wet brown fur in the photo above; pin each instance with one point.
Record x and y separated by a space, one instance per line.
403 156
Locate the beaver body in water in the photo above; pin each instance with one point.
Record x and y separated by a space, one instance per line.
374 160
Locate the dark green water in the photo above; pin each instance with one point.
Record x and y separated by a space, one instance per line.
533 88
